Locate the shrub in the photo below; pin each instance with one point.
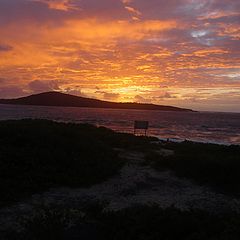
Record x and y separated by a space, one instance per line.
38 154
138 223
213 165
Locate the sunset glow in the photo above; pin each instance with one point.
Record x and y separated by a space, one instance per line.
184 53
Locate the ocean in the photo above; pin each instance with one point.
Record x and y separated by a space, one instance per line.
212 127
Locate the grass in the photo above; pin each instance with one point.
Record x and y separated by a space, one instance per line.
138 223
207 164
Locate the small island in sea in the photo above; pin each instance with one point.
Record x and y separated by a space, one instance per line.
78 181
66 100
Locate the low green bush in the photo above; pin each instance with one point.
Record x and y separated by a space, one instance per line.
135 223
36 155
213 165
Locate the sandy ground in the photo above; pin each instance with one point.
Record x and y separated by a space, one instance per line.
135 184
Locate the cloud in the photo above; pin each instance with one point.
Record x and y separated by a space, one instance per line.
11 92
133 10
140 99
5 48
108 95
165 95
75 91
62 5
127 1
136 14
43 86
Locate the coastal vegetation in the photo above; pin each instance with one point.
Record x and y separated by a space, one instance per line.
212 165
138 222
36 155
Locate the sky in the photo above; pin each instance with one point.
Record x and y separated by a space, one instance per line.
184 53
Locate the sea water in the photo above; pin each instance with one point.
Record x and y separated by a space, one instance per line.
213 127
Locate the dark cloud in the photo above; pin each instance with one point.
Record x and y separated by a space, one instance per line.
180 10
40 11
165 95
140 99
5 48
11 92
25 10
111 96
43 86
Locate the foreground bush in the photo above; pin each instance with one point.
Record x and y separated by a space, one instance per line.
37 154
213 165
136 223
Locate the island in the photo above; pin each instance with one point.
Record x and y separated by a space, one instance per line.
66 100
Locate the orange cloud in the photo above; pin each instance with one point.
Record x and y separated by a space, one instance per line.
133 10
207 52
33 48
127 1
63 5
93 29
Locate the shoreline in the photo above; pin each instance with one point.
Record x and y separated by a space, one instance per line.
128 130
177 140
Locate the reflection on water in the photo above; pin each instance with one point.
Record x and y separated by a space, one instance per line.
203 126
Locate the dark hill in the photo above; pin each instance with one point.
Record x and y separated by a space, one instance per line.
66 100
